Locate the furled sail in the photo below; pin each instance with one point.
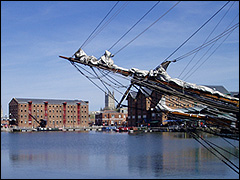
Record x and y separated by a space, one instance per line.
227 107
106 62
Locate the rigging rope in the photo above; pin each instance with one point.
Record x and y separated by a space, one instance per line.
98 77
106 23
132 26
99 24
207 38
146 29
119 84
195 135
222 149
108 84
103 83
207 52
194 33
209 42
87 77
209 56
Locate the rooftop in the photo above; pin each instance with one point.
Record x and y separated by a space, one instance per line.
50 101
220 88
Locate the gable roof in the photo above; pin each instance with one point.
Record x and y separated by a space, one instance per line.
221 89
234 94
133 94
147 92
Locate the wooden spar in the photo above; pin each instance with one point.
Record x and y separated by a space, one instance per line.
209 119
125 94
225 122
172 85
68 58
125 73
207 95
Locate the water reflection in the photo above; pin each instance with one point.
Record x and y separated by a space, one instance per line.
179 156
114 155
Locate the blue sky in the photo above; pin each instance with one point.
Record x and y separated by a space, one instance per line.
35 33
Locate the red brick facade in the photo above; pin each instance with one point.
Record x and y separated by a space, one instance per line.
58 113
111 118
142 107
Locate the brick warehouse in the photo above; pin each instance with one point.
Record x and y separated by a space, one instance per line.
58 113
142 107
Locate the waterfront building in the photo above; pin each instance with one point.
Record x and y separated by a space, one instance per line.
92 115
4 122
235 94
111 118
219 88
142 106
57 113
